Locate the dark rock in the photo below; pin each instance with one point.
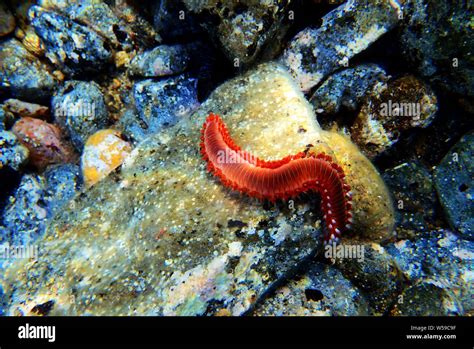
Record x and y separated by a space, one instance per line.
7 21
173 21
322 290
441 258
62 184
376 274
117 21
96 15
346 31
241 28
438 41
426 299
25 215
161 61
79 108
347 88
454 181
391 109
22 74
142 32
12 153
3 302
74 48
159 103
414 197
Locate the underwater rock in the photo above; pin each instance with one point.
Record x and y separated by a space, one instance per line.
3 302
143 33
398 106
426 299
2 118
241 28
437 39
163 237
12 153
455 186
346 31
22 74
62 184
415 197
103 152
346 89
161 61
21 108
322 290
72 47
173 21
439 257
97 15
31 41
7 21
159 104
25 215
116 21
44 141
376 274
79 108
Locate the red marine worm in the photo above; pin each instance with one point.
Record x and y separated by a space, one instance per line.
281 179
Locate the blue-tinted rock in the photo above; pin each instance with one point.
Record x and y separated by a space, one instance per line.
96 15
438 41
321 290
347 88
346 31
442 259
80 109
116 21
74 48
22 75
414 197
158 104
454 181
62 184
161 61
25 215
3 302
2 119
12 153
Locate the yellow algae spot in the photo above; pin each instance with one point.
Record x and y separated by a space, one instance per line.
104 151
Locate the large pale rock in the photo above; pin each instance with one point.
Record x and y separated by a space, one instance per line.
165 237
